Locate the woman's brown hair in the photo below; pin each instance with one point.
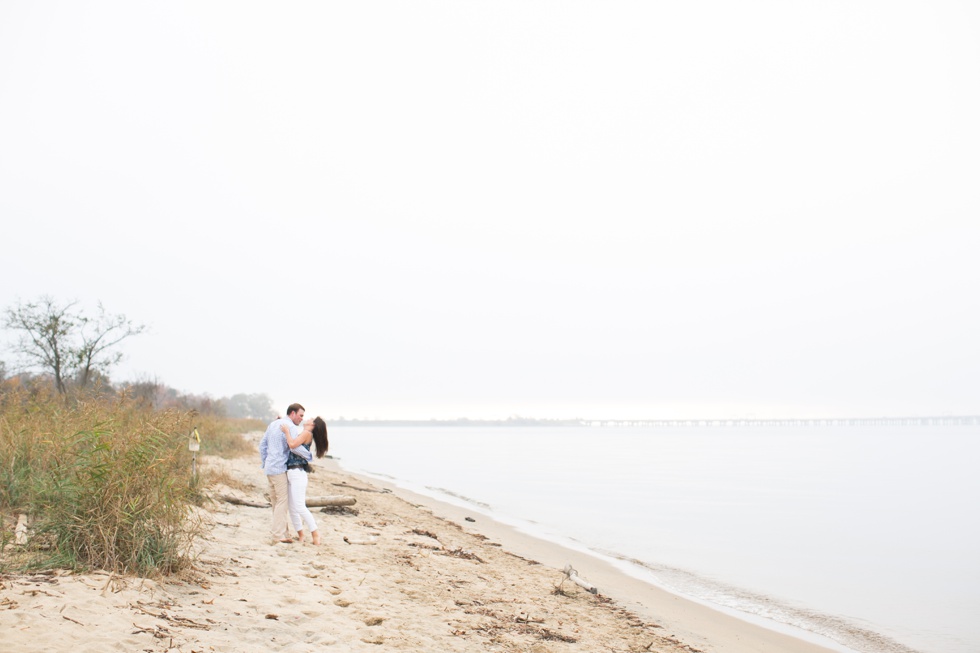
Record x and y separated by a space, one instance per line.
320 436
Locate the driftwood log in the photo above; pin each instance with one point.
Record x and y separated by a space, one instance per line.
581 582
335 500
242 502
311 502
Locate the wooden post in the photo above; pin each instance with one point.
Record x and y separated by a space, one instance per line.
20 532
194 445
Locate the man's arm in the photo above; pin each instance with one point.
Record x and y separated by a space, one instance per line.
264 446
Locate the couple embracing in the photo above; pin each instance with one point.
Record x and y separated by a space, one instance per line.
286 456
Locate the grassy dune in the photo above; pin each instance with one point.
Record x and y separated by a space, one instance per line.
106 483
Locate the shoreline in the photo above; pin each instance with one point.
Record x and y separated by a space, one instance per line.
696 623
396 572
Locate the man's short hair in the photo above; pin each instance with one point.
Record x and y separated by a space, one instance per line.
294 408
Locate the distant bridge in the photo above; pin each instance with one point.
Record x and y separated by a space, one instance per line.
961 420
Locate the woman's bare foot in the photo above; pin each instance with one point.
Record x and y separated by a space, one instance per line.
300 536
316 538
287 540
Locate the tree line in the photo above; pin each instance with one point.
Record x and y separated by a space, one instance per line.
58 346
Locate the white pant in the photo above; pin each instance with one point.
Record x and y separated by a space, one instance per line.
298 512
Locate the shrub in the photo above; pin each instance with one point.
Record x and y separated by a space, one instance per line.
106 482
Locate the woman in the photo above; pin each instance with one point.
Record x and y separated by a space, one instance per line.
297 468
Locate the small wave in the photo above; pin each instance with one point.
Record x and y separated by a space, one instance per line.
380 475
838 629
461 497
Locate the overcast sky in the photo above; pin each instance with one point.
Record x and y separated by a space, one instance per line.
483 209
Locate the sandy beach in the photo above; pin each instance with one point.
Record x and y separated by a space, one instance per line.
394 572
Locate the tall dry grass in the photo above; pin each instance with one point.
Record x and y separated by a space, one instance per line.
107 483
222 436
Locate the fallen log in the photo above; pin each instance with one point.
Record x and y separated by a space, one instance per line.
242 502
335 500
311 502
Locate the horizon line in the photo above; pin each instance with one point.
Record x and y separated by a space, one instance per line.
519 418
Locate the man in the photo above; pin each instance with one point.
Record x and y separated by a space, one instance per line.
274 450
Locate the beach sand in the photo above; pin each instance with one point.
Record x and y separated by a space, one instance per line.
394 572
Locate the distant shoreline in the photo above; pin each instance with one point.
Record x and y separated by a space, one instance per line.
946 420
462 421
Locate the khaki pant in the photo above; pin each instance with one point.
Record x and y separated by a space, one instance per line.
279 496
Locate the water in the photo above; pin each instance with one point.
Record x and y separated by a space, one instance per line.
869 536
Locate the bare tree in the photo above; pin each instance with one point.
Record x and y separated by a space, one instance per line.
97 337
45 328
61 340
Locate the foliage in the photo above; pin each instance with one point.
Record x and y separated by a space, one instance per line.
107 482
105 474
252 406
60 339
154 394
221 436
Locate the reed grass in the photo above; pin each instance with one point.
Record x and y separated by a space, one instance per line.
222 436
106 483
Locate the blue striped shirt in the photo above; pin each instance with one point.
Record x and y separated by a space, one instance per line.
273 449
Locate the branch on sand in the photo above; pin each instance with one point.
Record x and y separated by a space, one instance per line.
312 502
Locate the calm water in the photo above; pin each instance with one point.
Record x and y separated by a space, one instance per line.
848 532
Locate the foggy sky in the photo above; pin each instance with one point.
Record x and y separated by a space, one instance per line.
551 209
